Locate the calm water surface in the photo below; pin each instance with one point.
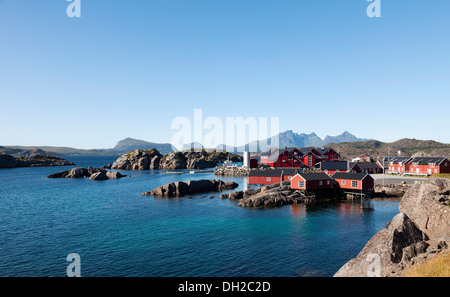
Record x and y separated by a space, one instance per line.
118 232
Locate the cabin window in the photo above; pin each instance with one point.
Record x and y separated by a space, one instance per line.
309 162
415 164
328 182
269 179
354 183
301 184
320 183
432 165
435 170
343 182
445 164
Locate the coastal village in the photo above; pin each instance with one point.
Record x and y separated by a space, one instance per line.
312 170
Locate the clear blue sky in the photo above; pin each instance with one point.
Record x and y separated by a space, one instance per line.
127 68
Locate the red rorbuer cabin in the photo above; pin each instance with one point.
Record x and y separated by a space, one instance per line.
354 181
265 177
271 176
311 181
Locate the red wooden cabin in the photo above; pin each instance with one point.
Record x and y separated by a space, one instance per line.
354 181
311 181
428 165
399 164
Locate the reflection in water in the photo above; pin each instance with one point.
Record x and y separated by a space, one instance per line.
298 210
346 208
343 208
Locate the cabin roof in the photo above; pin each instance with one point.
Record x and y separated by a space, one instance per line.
367 165
350 175
334 165
314 176
428 160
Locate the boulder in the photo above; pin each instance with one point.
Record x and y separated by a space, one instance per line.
387 246
114 175
99 176
236 195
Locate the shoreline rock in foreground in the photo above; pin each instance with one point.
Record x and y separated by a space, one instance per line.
91 173
8 161
178 189
419 232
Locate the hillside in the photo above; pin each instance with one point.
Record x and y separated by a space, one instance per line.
407 147
129 144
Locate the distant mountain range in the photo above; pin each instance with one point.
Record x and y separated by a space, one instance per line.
292 139
346 144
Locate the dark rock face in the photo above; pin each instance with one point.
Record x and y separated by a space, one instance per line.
92 173
152 159
177 189
7 161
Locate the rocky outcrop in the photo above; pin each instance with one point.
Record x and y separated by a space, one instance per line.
232 171
91 173
427 204
275 195
178 189
390 190
138 160
417 233
8 161
385 248
152 159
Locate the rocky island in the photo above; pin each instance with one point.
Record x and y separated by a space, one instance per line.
153 159
36 160
91 173
178 189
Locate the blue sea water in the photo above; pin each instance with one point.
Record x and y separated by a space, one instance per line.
118 232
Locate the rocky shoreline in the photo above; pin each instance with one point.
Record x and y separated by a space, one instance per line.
418 233
276 195
153 160
232 171
8 161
